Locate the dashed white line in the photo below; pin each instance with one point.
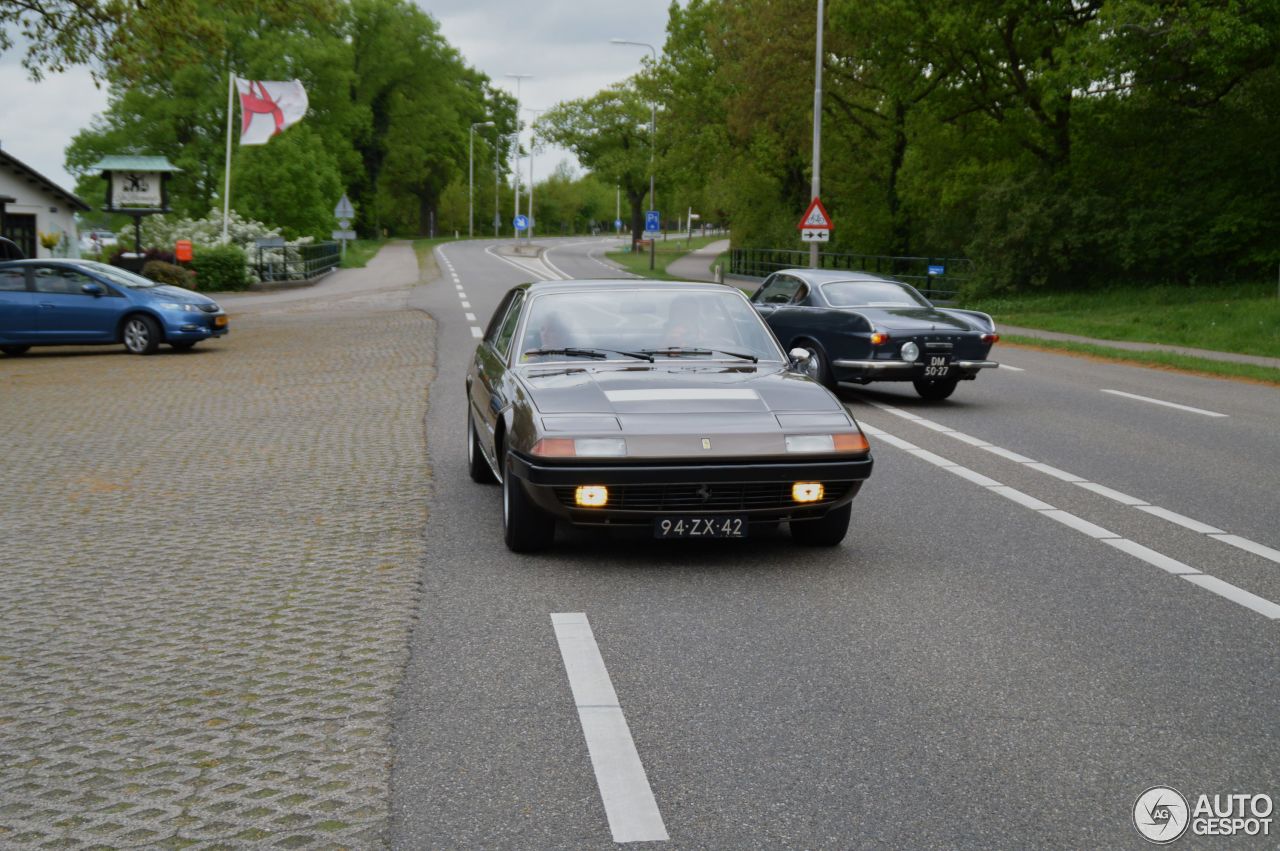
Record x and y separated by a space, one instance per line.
1102 490
471 317
1004 365
628 799
457 286
1210 583
1200 411
476 332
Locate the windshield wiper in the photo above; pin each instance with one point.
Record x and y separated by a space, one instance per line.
599 354
676 351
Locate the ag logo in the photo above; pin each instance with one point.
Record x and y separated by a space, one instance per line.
1160 814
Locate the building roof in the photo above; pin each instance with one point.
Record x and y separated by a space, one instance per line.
133 163
34 177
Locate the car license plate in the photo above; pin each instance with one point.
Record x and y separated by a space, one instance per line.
700 527
220 322
938 366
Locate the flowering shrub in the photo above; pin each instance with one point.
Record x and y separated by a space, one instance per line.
207 233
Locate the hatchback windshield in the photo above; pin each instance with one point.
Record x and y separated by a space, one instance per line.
873 294
658 323
116 275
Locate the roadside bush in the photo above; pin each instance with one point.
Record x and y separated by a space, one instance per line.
220 267
168 273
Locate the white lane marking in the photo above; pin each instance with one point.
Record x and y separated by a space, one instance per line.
462 295
1200 411
1093 530
1005 453
936 460
973 476
1103 490
1055 472
457 286
1249 546
1022 498
476 332
540 274
1180 519
466 304
1150 556
1004 365
1235 594
1211 583
624 787
471 317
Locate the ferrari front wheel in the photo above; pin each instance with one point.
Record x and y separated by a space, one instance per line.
526 528
825 531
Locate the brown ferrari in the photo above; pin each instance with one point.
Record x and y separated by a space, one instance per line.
668 406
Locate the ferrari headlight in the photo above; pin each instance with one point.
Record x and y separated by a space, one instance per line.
846 442
580 447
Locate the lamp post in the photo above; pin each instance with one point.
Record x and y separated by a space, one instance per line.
817 129
529 232
653 122
471 178
519 78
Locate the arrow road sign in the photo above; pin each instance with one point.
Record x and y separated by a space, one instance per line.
521 222
815 235
344 210
815 217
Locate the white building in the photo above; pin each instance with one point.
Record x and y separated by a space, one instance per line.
31 204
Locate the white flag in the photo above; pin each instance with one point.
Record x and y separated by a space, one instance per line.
267 107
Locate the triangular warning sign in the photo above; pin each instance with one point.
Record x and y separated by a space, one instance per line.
815 218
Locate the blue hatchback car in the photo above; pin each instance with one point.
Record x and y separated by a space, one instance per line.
80 302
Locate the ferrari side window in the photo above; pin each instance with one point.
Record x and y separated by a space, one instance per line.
495 321
503 343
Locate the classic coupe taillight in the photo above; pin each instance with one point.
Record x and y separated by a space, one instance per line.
990 338
879 338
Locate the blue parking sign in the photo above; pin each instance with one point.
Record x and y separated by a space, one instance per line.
521 222
652 222
617 224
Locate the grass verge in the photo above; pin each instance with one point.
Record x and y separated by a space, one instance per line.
360 252
1243 318
665 252
1156 360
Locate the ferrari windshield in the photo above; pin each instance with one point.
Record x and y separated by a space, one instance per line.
668 322
873 294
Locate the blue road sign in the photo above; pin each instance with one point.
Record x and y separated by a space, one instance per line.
937 270
617 224
652 221
521 222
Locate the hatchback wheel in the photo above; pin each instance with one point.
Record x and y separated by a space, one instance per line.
141 335
14 351
526 527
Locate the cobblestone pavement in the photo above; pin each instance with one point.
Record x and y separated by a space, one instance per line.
209 574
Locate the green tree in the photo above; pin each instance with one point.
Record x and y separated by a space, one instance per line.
293 182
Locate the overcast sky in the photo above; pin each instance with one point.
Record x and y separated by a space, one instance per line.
563 43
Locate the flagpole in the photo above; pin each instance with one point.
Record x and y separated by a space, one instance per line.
226 190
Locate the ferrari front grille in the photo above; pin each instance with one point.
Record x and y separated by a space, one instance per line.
717 497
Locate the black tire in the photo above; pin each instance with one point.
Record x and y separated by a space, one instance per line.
526 527
14 351
825 531
477 467
184 346
935 390
817 366
140 334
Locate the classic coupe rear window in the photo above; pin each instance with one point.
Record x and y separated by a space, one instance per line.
872 294
705 323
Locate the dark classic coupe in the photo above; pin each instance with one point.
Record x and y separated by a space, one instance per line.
859 328
667 406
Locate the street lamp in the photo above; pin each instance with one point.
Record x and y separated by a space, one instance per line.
653 121
817 129
529 233
471 177
518 78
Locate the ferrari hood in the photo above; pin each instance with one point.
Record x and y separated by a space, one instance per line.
688 387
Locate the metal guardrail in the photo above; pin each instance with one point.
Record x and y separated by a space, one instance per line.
297 262
762 262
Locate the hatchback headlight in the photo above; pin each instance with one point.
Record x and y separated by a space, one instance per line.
185 308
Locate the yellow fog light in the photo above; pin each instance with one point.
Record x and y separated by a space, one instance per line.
594 496
807 491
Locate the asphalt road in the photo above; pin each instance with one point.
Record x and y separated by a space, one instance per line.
998 656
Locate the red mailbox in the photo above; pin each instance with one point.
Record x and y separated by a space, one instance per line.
182 250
